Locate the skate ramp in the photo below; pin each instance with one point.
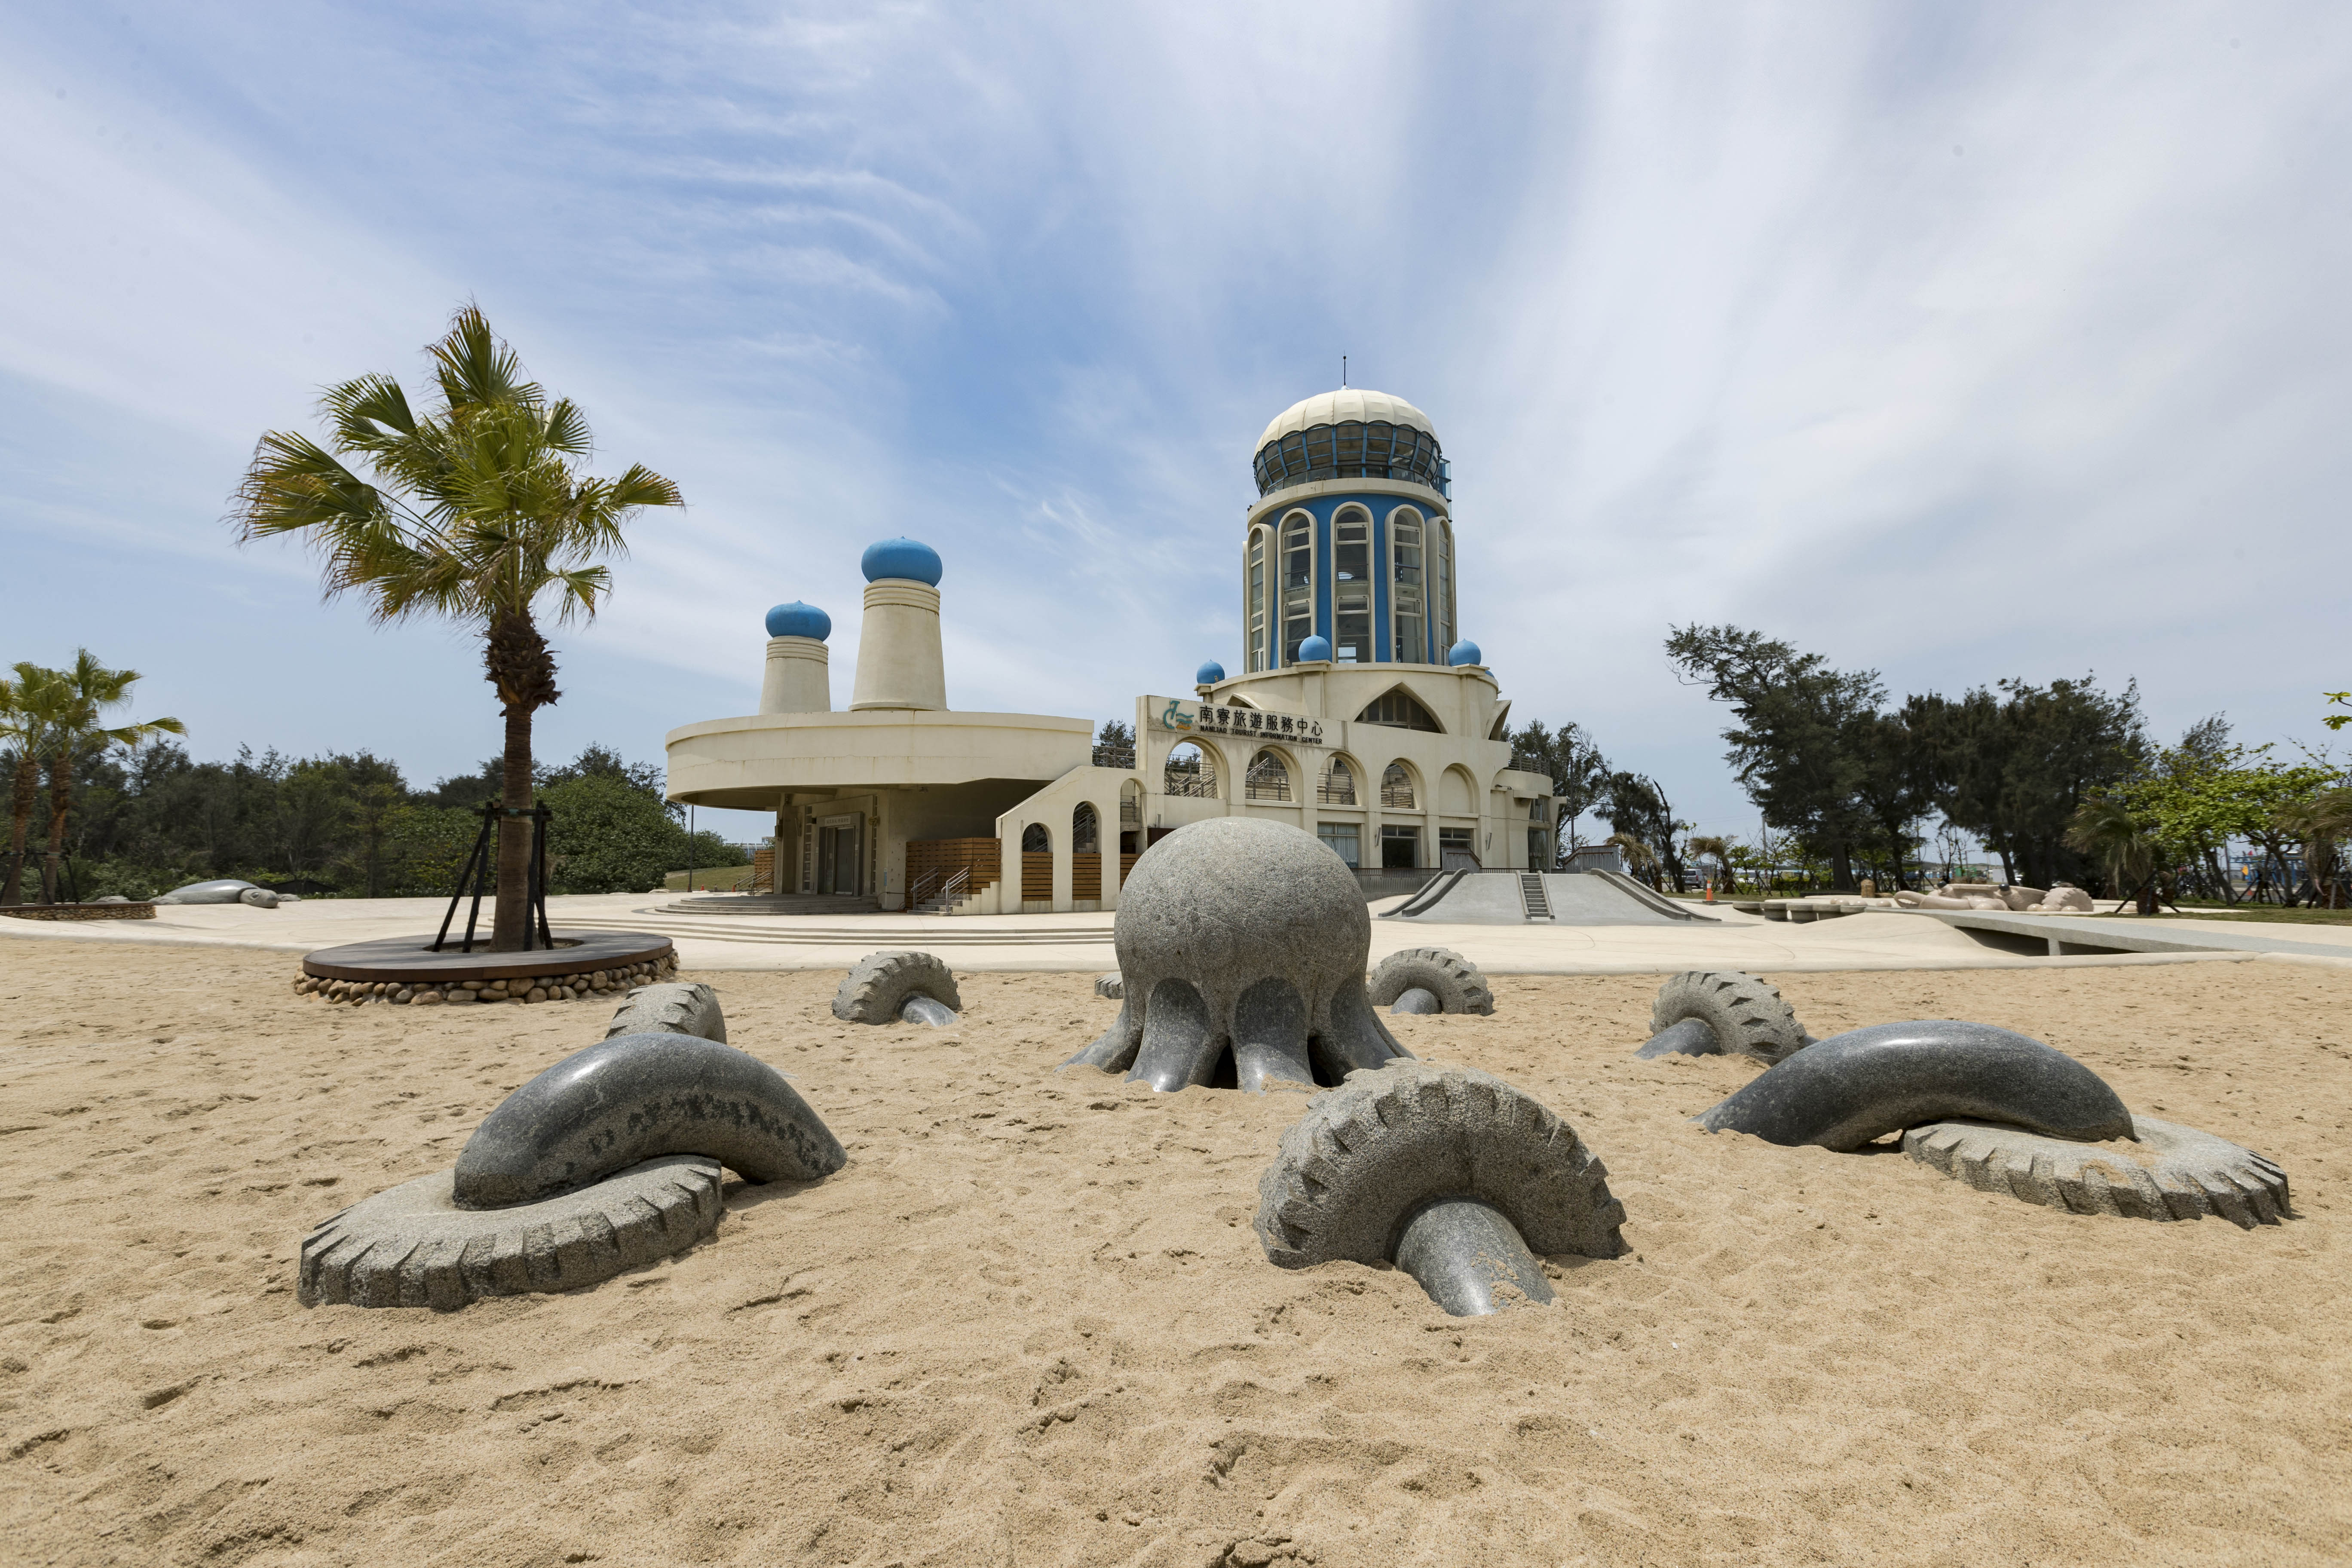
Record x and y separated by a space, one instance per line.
1575 898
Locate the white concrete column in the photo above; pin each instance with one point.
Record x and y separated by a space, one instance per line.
899 664
799 677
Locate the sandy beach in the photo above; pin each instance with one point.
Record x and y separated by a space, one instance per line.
1028 1323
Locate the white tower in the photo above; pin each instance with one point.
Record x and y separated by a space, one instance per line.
899 664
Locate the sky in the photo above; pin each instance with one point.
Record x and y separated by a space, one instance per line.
1959 342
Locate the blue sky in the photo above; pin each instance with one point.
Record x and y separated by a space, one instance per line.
1958 342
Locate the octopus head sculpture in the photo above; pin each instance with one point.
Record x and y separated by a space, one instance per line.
1240 949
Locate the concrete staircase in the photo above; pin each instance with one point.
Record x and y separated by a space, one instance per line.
1532 896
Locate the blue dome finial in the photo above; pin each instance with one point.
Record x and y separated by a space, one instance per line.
901 557
799 620
1318 647
1209 674
1464 652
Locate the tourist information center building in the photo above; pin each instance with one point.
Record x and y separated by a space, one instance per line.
1360 714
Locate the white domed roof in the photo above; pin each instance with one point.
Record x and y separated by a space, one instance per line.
1338 407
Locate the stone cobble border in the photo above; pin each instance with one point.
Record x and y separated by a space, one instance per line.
578 986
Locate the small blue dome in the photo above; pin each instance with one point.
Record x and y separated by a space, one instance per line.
1313 649
1464 652
1209 674
901 558
799 620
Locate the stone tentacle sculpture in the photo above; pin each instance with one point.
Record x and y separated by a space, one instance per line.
1851 1089
1448 982
1449 1173
1704 1013
1241 950
893 985
606 1161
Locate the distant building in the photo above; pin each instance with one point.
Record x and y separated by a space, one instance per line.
1360 714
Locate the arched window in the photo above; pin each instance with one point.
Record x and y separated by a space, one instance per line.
1442 598
1253 600
1191 771
1339 786
1298 584
1036 839
1396 788
1086 829
1130 804
1351 585
1267 779
1407 592
1398 709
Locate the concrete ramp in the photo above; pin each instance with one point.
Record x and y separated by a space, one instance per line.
1555 898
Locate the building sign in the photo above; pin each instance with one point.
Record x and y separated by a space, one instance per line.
1212 719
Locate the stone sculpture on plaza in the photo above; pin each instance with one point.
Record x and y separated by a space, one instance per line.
2063 898
1999 1110
1452 1174
890 986
608 1160
1241 955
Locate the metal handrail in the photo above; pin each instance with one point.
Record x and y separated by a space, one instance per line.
947 897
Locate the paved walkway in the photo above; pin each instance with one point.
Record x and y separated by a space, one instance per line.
1083 941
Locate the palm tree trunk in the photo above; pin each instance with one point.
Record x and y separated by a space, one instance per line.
523 669
510 932
23 797
60 803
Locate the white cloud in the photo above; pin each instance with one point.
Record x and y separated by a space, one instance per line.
1713 317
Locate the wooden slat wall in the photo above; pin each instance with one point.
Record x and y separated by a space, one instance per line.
982 858
1085 876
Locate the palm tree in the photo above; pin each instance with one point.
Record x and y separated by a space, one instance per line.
1716 848
2321 823
74 702
27 706
2104 829
1640 858
477 510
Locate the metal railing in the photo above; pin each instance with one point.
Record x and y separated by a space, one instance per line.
1397 795
950 893
1194 786
1267 781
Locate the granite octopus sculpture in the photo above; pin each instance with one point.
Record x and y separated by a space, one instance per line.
1240 951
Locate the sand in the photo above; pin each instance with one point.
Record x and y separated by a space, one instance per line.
1029 1323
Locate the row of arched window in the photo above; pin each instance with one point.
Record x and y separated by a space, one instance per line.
1278 588
1192 770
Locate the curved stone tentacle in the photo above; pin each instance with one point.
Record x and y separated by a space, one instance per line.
1851 1089
1270 1037
1180 1046
634 1097
1114 1050
1691 1037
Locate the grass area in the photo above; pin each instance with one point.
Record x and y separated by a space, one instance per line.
711 879
2270 912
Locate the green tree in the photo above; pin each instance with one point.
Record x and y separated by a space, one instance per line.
609 837
1579 773
1637 808
75 700
2105 829
28 704
2188 801
2014 768
1801 736
479 512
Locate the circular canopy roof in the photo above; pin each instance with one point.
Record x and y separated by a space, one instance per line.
1337 407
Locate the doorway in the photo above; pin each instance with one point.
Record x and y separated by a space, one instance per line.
838 857
1399 847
